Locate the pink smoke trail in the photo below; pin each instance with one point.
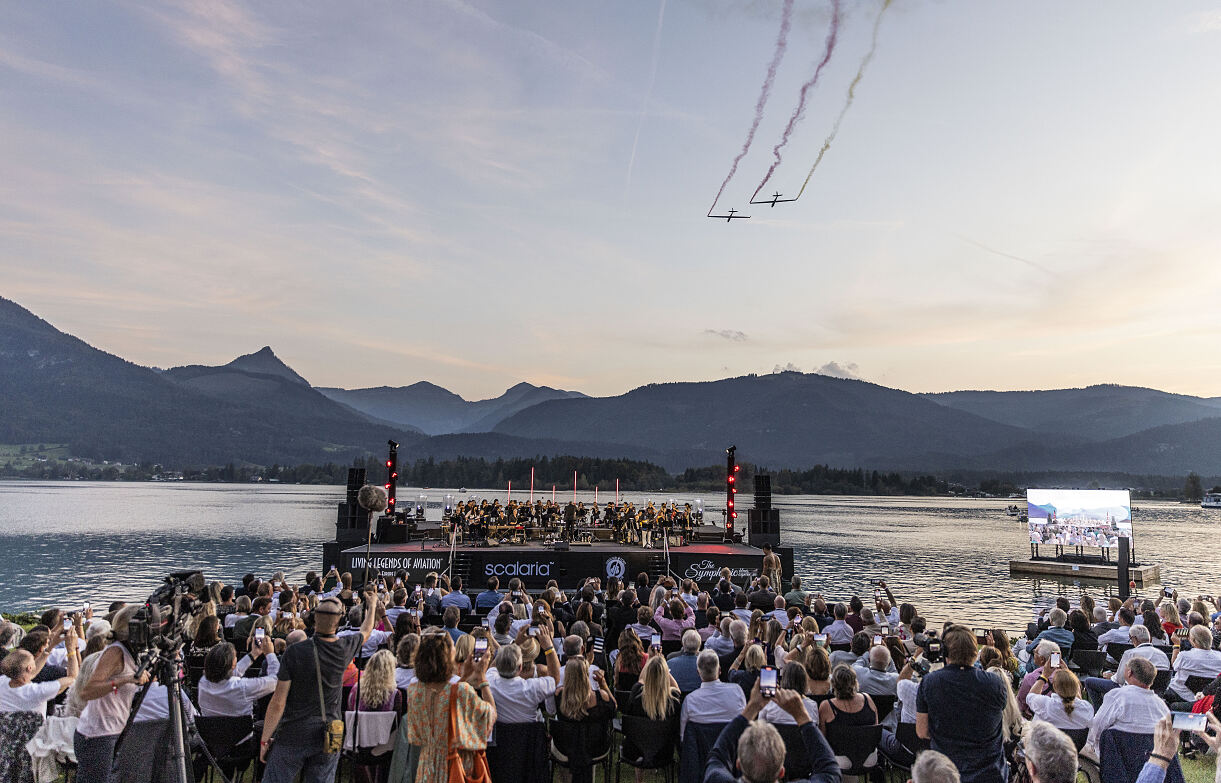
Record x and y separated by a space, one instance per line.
799 112
786 18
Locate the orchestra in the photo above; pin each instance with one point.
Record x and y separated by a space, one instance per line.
653 526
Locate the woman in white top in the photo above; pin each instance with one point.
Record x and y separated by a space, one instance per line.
24 704
107 696
404 673
223 691
1063 707
242 611
794 678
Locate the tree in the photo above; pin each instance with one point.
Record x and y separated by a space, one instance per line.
1193 490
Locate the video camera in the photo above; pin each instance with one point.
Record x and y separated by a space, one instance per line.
159 623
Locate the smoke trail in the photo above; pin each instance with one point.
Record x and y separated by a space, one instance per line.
860 72
799 112
786 18
648 96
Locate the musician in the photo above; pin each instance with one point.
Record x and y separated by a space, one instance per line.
647 525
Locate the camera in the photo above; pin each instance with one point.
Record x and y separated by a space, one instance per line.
159 623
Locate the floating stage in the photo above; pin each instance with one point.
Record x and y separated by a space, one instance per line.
536 563
1108 571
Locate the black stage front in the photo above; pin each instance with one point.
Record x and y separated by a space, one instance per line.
535 563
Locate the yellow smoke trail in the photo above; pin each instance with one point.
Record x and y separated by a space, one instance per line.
851 96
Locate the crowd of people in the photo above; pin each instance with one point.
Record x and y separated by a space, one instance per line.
422 681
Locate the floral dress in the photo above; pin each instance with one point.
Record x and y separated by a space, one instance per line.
428 727
16 729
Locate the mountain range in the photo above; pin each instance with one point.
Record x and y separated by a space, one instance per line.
55 388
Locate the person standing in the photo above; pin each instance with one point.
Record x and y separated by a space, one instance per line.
961 710
772 567
308 697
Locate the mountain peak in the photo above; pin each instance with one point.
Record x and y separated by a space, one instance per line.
266 362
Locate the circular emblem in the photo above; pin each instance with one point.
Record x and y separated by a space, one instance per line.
616 567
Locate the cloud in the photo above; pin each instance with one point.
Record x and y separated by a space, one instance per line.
790 367
732 335
1205 22
848 370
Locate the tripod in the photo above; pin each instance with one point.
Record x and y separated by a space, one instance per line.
162 661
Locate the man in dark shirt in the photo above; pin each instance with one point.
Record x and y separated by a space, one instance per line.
620 614
294 717
960 709
854 617
754 747
762 598
724 598
260 608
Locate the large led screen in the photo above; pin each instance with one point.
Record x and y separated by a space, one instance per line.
1079 517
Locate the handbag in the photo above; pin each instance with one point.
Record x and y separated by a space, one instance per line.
332 734
479 765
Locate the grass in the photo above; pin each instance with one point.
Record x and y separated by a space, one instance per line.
24 455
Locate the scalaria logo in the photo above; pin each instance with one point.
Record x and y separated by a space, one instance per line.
708 571
517 569
616 567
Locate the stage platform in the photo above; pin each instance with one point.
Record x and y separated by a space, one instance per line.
1109 572
535 563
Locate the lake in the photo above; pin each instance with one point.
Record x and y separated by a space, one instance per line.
62 543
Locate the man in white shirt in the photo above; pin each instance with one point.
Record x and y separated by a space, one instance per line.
1118 635
376 638
714 701
1139 636
839 632
224 690
1200 661
780 613
156 704
1134 708
872 672
517 698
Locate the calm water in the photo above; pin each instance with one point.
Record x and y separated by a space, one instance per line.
63 543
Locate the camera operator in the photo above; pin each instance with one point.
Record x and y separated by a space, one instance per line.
294 730
108 696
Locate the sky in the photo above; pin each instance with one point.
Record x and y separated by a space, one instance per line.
1022 195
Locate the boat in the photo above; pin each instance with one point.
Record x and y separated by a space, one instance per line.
1015 511
1211 500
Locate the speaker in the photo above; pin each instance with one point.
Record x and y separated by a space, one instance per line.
561 546
763 492
764 526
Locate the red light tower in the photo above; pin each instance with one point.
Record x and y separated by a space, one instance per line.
392 476
731 489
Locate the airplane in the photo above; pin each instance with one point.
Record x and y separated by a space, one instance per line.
730 216
774 200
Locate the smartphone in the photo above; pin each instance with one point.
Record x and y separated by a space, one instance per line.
767 682
878 639
67 623
1054 662
597 645
534 631
656 641
481 646
87 605
259 633
820 639
673 593
484 622
886 630
1168 592
1182 634
875 582
1189 721
934 650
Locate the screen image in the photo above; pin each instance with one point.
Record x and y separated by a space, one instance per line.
1079 517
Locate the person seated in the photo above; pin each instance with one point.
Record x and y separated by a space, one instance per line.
712 619
745 670
224 690
376 690
1199 661
1098 687
449 619
933 767
20 693
673 618
1133 708
517 697
738 634
839 631
644 627
794 679
847 706
1102 621
754 747
577 702
682 664
404 670
1063 706
875 672
741 610
714 701
818 673
1084 637
861 643
1051 756
1055 632
796 596
1119 633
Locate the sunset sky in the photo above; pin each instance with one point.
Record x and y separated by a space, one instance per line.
1023 195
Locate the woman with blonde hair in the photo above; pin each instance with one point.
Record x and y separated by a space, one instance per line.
377 688
241 610
578 703
1011 718
1060 705
654 696
745 670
